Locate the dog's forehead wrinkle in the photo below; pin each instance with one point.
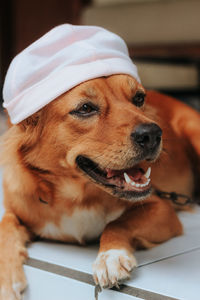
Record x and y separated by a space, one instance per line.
135 86
132 83
88 91
123 87
91 92
110 88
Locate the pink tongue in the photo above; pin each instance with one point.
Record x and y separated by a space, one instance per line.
134 174
110 173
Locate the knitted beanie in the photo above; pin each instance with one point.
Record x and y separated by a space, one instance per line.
61 59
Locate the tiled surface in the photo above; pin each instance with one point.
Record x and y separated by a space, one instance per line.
46 286
176 277
81 258
171 269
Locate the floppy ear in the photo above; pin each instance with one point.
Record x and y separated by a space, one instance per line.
31 121
31 130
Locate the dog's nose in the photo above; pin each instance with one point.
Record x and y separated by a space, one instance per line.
147 136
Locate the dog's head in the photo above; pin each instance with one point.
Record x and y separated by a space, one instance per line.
99 129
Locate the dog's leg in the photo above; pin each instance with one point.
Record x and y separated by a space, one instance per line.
191 131
190 128
144 226
13 239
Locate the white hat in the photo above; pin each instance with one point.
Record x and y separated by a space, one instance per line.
61 59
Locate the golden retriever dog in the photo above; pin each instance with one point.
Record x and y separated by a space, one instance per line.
87 166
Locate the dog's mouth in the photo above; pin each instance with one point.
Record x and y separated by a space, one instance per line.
130 184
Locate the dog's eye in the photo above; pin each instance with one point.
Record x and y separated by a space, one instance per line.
138 99
85 110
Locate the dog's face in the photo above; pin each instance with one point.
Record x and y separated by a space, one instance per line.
100 129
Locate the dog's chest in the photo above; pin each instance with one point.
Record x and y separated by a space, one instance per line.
81 226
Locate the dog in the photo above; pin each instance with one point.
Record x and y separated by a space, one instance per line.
87 165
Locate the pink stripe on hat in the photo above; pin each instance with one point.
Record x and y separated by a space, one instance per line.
61 59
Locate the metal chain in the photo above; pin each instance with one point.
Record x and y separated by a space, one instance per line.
176 198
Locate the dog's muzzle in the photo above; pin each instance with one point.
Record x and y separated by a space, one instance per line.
147 137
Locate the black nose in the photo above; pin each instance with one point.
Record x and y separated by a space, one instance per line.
148 137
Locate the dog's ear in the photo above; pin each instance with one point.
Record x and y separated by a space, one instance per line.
31 129
31 121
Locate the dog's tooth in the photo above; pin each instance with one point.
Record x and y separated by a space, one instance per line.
148 173
133 183
127 178
140 184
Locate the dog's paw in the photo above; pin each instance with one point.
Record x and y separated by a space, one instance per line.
12 286
112 267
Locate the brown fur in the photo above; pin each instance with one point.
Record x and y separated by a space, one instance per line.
39 155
